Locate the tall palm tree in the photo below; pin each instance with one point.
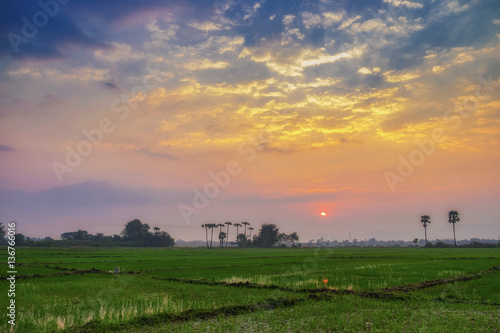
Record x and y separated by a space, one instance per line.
425 219
237 225
220 226
453 218
206 232
227 232
250 232
245 224
211 226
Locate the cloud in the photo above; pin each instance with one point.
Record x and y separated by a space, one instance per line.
55 39
7 149
74 74
206 64
288 19
325 20
117 52
148 152
85 196
111 85
260 200
207 26
405 3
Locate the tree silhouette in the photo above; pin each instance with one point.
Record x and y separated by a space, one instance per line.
227 231
294 238
242 240
425 219
220 226
237 225
453 218
245 224
2 232
211 226
415 240
250 232
156 230
268 235
206 232
222 236
135 230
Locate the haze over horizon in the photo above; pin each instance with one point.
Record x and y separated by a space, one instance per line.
180 113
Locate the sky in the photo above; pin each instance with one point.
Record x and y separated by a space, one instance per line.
181 113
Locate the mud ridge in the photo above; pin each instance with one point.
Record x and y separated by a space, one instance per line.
76 272
432 283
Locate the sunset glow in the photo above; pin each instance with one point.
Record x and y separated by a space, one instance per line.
183 112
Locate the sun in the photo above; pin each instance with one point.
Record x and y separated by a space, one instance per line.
323 214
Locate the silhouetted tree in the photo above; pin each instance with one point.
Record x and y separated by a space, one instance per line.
282 239
453 218
220 226
212 226
76 235
227 231
222 236
268 235
415 240
237 225
135 230
425 219
160 238
2 232
20 239
156 230
242 240
250 232
245 224
206 232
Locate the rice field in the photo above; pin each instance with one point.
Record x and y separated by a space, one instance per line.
256 290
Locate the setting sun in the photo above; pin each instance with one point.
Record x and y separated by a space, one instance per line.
323 214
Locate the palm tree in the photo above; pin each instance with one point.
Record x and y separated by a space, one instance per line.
425 219
222 236
220 225
206 232
212 226
245 224
237 225
157 230
227 231
250 232
453 218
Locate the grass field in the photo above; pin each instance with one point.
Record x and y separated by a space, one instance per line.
256 290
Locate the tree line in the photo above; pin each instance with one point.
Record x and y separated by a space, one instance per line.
135 233
267 236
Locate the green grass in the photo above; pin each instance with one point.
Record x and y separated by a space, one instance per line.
234 290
